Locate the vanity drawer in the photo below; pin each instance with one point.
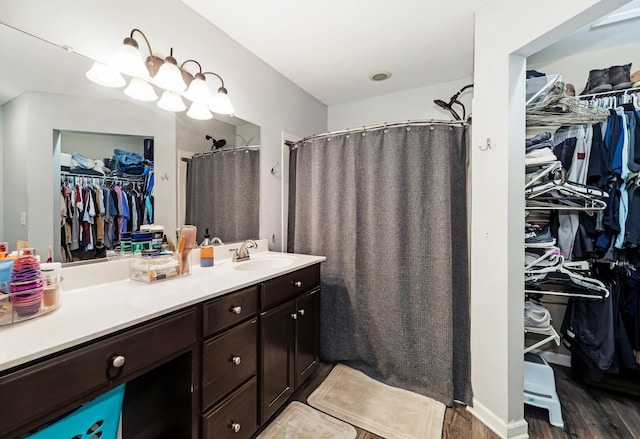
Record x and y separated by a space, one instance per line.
288 286
229 360
238 412
64 380
228 310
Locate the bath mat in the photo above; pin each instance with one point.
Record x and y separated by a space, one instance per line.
387 411
299 421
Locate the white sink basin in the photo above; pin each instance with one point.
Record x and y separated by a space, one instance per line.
264 262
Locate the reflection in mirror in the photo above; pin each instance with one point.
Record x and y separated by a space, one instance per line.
106 193
38 104
222 189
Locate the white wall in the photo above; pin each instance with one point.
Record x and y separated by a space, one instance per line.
191 133
99 146
14 175
415 104
259 93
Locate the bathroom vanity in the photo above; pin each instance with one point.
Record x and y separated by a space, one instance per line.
211 355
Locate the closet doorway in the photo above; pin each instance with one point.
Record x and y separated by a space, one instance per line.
610 44
88 166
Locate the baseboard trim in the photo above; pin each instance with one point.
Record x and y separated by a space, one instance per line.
555 357
512 430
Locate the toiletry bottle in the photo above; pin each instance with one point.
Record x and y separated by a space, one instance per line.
206 251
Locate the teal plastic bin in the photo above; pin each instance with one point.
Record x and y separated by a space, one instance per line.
98 418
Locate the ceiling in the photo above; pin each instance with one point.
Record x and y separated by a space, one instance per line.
330 48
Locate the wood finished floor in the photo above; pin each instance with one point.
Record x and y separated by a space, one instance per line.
589 413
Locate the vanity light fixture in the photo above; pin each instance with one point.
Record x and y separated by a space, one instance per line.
105 75
141 90
165 74
171 101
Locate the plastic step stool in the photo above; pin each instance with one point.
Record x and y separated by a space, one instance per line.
540 387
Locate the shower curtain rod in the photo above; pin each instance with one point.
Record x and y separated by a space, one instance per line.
364 128
233 149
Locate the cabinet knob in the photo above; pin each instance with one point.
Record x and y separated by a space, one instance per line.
236 360
297 283
301 311
294 315
235 426
117 361
236 309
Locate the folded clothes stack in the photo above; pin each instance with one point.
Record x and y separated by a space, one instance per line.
128 162
539 150
542 140
80 162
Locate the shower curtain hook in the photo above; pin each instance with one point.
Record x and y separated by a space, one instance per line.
364 130
386 130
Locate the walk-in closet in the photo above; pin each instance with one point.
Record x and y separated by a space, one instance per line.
581 237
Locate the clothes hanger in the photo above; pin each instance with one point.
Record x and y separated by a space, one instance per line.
565 196
559 273
546 170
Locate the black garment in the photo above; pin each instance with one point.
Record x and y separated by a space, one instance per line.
630 308
636 135
612 211
588 328
632 227
598 160
564 151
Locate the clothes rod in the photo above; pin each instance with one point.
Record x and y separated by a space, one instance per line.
609 93
364 128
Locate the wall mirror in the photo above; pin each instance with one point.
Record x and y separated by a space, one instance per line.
45 96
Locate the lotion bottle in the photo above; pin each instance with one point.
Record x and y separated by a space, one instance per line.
206 251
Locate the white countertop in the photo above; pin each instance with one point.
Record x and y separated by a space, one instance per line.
93 311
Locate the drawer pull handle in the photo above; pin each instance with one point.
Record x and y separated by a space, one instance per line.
117 361
301 311
236 309
294 316
297 283
235 426
236 360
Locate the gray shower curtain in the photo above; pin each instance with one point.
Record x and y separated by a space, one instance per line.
223 194
388 208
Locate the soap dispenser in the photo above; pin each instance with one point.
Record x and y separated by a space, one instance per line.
206 251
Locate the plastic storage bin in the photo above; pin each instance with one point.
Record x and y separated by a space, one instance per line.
28 304
152 268
98 418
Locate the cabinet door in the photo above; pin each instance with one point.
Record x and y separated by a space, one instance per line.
277 329
307 353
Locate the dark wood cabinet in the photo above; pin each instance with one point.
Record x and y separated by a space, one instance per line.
307 351
32 395
219 369
277 344
235 416
229 365
289 336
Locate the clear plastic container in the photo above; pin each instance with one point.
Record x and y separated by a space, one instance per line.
152 268
28 304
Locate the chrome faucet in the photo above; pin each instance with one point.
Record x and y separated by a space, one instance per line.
242 253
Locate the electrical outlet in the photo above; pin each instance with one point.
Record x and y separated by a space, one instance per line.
23 218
